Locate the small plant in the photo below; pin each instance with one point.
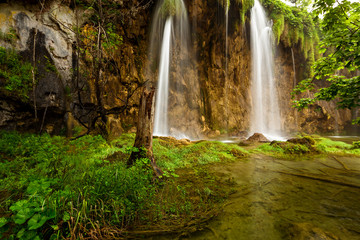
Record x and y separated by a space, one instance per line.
10 36
15 74
32 213
50 67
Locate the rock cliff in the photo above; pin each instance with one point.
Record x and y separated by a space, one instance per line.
215 98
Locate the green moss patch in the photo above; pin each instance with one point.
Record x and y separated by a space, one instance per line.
307 145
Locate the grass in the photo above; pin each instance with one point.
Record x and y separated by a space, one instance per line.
287 150
53 188
170 156
328 146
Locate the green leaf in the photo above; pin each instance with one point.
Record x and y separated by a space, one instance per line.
28 235
21 233
66 217
55 227
18 205
23 215
50 213
37 221
3 222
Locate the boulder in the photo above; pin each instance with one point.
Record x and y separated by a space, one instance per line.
257 137
308 141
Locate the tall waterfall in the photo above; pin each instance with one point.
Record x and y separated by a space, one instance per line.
265 116
161 119
169 66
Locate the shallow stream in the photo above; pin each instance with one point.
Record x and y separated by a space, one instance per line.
285 199
315 199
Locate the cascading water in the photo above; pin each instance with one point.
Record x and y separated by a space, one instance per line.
161 119
265 116
169 66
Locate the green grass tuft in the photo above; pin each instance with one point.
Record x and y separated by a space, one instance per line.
171 157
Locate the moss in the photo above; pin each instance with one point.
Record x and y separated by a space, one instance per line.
246 5
292 148
170 8
308 145
174 154
15 75
328 146
293 26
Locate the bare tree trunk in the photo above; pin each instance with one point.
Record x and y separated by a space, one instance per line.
144 132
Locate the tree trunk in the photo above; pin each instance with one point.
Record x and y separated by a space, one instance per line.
144 132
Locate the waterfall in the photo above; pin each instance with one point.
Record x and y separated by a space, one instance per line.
265 116
161 119
170 67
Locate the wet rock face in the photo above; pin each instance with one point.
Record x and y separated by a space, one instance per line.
55 58
215 92
225 97
39 39
50 88
320 118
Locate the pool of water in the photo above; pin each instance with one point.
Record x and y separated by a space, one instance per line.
285 199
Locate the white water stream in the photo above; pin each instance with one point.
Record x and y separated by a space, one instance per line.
161 119
265 116
169 65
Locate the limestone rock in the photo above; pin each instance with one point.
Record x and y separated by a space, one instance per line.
257 137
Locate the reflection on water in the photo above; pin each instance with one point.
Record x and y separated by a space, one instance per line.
346 139
286 199
279 199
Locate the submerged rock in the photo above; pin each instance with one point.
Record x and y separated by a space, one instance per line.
306 231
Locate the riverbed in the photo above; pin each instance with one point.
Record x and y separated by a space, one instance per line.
284 199
312 198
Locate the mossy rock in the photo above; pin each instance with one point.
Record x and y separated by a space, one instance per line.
238 153
307 141
301 145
